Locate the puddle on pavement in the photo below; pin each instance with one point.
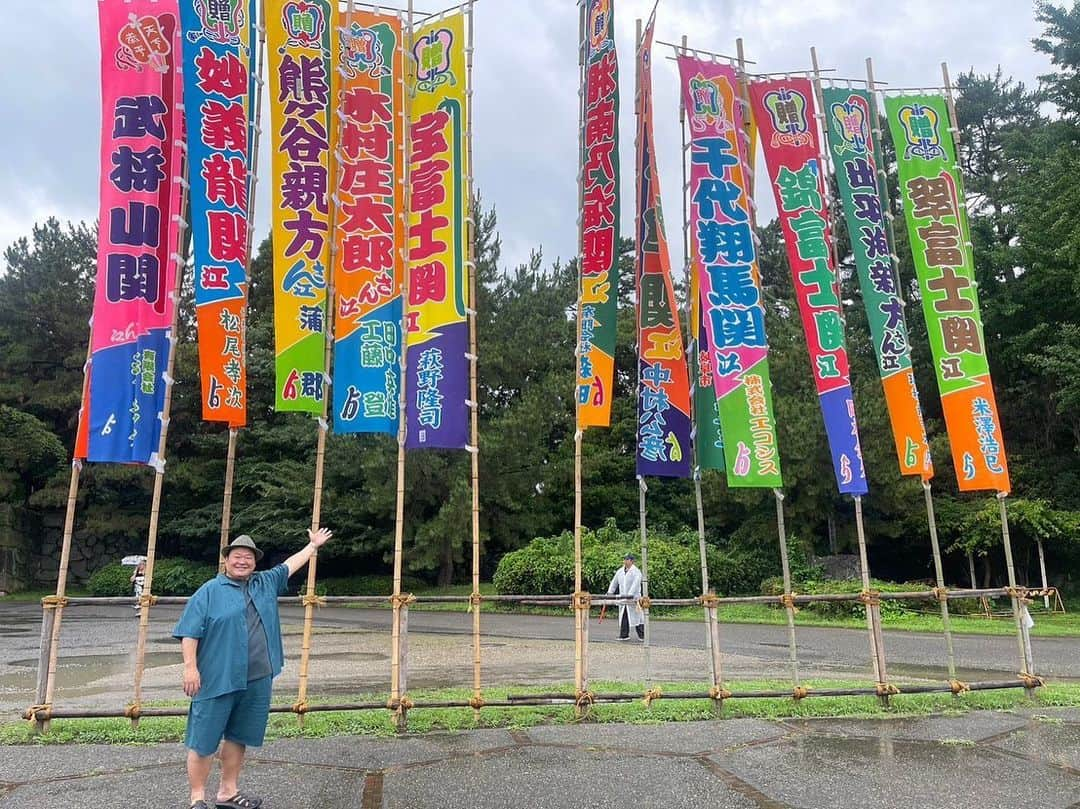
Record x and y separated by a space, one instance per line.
80 670
354 656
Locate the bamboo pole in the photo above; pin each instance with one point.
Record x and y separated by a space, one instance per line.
1019 611
396 646
580 624
712 645
894 260
474 404
1042 573
971 569
159 469
253 180
334 172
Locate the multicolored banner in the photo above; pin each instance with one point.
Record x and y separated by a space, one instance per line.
437 365
932 190
134 297
735 350
784 111
663 436
855 154
370 234
219 46
299 46
598 304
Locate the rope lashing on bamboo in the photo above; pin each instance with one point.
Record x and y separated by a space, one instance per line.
52 602
644 602
1031 680
941 593
476 703
133 711
800 692
402 599
1019 593
709 600
787 600
147 600
650 695
582 600
959 687
886 689
585 700
300 707
311 599
475 600
871 598
38 712
718 693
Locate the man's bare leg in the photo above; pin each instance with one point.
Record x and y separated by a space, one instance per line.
198 771
232 760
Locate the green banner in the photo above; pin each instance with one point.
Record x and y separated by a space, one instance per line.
931 186
707 435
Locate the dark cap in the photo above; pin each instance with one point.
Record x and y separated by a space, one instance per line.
242 541
630 556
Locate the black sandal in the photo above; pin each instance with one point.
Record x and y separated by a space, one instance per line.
241 800
200 805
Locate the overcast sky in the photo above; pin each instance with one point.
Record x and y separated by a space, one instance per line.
525 81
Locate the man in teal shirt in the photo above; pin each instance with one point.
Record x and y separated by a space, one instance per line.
230 635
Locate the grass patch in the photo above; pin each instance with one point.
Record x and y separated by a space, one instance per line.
153 730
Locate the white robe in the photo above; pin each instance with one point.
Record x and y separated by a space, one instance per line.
627 582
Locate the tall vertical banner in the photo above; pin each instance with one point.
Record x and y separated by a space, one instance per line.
437 334
849 118
932 191
735 350
219 46
784 111
599 211
134 297
299 45
369 56
663 437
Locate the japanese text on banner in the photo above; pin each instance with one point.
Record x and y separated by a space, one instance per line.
848 116
298 45
931 187
218 49
370 227
784 111
437 369
598 301
134 297
729 294
663 439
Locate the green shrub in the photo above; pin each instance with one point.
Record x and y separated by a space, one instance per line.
172 577
111 580
366 585
546 565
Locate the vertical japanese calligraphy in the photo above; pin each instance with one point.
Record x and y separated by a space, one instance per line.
437 369
663 437
298 36
219 41
370 230
597 306
735 351
930 184
708 437
134 298
784 111
856 158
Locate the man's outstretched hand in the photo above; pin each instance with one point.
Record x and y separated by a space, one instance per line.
318 538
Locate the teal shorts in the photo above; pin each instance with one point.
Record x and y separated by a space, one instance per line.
239 716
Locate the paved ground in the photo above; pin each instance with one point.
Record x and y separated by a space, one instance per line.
979 761
352 653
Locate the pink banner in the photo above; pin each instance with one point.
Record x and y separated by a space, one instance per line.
142 127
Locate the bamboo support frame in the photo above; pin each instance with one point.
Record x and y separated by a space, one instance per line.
712 634
474 423
1019 610
334 171
894 261
396 645
1042 572
581 615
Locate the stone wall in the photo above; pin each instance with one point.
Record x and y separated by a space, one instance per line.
87 553
16 552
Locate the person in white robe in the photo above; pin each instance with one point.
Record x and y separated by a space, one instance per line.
627 582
